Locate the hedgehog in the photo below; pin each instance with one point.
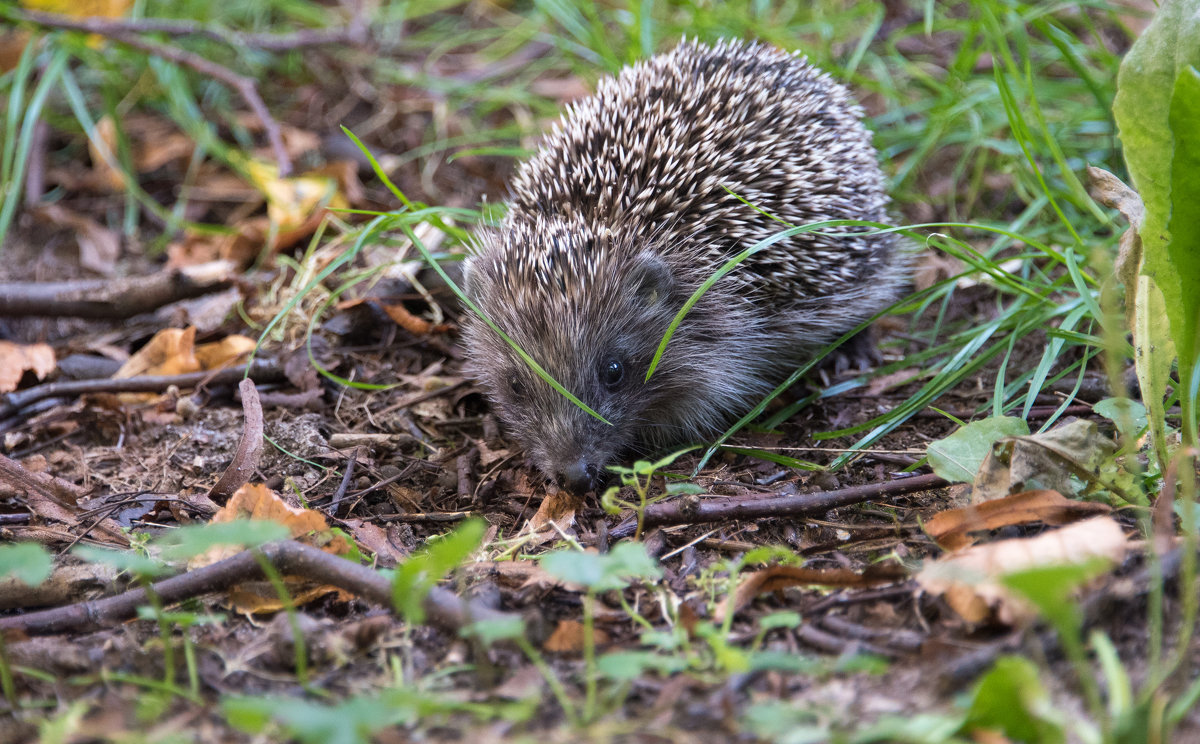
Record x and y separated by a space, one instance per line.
638 195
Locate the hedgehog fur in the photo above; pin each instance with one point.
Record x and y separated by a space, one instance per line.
623 212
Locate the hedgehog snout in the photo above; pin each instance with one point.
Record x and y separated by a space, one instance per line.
580 476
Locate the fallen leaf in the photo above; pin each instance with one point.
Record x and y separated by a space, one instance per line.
224 353
969 580
568 637
951 528
105 176
257 502
414 324
170 352
778 578
556 513
99 247
1044 461
17 359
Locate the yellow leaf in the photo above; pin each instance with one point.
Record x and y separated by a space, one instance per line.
81 8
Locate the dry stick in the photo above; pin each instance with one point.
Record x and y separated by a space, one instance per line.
246 87
354 32
260 370
56 489
61 496
442 607
245 460
112 298
727 508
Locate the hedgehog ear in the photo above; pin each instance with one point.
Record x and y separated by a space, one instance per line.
652 280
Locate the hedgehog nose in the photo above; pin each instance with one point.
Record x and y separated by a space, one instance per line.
580 476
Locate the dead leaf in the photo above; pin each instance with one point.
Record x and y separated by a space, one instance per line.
1112 192
224 353
17 359
99 247
951 528
105 177
557 512
414 324
778 578
170 352
568 638
970 579
1044 461
880 385
256 501
374 539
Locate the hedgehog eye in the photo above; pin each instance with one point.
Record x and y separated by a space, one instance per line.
611 373
516 386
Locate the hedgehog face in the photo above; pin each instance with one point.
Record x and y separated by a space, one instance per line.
591 310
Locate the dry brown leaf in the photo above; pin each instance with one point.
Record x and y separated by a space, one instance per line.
12 45
951 528
172 351
17 359
970 580
414 324
99 247
224 353
105 177
256 501
557 510
778 578
374 539
567 638
880 385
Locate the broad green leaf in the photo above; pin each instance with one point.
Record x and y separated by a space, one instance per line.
626 666
1052 588
28 562
422 571
1129 415
1156 114
1011 700
353 721
784 723
1153 354
192 540
122 560
491 631
957 457
1184 223
603 572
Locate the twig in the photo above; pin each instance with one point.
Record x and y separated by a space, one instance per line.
345 484
354 32
112 298
245 460
54 497
260 370
728 508
56 489
246 87
443 608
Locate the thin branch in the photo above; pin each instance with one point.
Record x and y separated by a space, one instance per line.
246 87
443 608
354 32
112 298
245 460
690 510
260 370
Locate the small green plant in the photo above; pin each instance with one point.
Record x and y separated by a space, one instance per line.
30 564
599 573
640 478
